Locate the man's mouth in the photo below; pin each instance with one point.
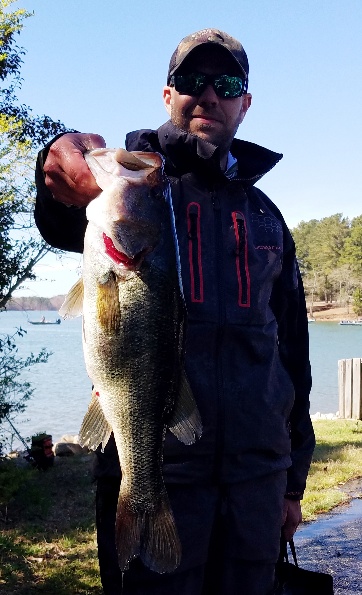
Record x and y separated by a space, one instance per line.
205 118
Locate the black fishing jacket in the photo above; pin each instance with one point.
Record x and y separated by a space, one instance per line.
247 355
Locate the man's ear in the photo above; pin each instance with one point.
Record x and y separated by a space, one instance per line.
247 99
167 99
245 104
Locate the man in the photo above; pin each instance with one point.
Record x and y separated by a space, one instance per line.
247 334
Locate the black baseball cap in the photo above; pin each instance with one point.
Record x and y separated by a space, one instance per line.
213 37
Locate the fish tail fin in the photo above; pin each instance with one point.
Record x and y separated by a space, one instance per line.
186 423
152 535
95 429
161 547
129 525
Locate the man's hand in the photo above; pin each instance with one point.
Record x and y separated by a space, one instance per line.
292 517
66 173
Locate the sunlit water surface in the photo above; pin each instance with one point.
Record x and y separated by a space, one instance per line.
62 387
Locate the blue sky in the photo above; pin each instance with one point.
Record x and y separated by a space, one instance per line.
100 67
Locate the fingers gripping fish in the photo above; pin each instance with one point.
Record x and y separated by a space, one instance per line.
133 338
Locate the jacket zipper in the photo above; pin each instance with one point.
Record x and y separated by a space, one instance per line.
195 260
220 439
241 259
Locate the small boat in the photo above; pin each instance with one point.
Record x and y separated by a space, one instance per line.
351 322
43 321
311 319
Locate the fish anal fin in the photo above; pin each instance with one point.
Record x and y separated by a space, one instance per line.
73 303
151 535
185 422
95 429
108 309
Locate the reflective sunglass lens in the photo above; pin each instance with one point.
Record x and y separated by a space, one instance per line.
195 83
229 86
190 84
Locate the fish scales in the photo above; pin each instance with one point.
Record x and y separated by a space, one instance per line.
139 361
133 340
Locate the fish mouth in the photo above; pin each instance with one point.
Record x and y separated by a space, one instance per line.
120 258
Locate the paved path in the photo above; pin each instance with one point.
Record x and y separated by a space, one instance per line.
333 544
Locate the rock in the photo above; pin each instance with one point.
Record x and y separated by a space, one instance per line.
18 457
69 446
69 438
319 415
68 449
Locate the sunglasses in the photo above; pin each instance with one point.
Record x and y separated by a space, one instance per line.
195 83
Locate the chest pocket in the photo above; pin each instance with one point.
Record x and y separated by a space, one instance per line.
240 255
241 258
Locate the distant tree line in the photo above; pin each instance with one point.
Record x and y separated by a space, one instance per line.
28 303
329 253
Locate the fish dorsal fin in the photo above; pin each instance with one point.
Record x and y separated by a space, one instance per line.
95 429
185 423
73 303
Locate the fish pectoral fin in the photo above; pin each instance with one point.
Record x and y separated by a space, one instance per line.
150 534
108 309
95 429
73 303
185 422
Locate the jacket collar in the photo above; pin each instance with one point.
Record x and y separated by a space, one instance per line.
186 152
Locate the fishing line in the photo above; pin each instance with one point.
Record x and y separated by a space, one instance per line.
18 435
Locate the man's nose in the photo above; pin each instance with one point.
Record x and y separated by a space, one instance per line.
209 96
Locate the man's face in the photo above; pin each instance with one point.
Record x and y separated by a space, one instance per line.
208 116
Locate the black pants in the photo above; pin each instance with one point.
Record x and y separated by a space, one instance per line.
230 540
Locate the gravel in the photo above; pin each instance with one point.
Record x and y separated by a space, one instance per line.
333 543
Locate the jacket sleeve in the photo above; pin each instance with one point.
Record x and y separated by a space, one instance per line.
61 226
288 305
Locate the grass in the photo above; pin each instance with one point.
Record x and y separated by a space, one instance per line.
47 533
336 460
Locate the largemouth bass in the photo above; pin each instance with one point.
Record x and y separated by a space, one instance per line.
133 340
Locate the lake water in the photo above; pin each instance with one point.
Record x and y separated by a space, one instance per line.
62 387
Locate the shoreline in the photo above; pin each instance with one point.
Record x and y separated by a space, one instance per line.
330 313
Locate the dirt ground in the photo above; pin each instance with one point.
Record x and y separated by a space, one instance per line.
330 312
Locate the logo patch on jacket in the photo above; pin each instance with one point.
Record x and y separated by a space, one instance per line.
267 231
